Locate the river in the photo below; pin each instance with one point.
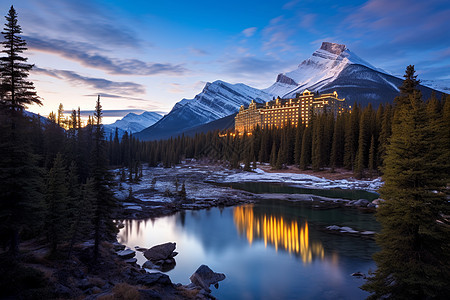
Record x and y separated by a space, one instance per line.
272 249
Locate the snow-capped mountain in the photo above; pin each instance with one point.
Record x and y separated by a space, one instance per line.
132 123
217 100
331 68
320 69
334 67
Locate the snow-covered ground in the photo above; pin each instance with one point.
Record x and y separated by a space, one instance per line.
303 180
199 179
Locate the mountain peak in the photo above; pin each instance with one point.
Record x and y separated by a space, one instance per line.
333 47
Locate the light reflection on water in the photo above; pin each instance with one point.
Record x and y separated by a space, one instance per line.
277 232
268 251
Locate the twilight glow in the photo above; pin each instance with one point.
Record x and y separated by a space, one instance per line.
148 55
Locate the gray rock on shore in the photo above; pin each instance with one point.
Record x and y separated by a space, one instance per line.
161 252
126 254
204 277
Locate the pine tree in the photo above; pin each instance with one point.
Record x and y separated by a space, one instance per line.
20 178
415 252
56 199
372 159
305 156
17 91
83 209
104 226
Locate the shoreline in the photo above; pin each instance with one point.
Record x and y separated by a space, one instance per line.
157 193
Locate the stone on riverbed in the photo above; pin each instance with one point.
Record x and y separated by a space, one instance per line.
160 252
361 202
150 279
126 254
204 277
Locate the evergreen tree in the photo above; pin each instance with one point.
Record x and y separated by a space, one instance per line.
104 226
83 212
20 178
415 252
305 156
385 133
56 199
17 91
372 159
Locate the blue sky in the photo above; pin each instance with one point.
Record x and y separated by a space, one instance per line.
147 55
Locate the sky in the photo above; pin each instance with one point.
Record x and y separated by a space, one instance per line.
148 55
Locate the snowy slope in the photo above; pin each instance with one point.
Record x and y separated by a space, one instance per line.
321 68
442 85
132 123
217 100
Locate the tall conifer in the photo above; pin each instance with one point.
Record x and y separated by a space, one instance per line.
415 251
20 178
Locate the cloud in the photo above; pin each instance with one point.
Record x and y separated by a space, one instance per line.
115 112
307 21
277 35
249 32
176 88
113 96
95 83
402 22
291 4
82 20
250 65
81 53
197 51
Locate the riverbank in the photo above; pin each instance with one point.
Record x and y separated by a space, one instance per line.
40 275
206 184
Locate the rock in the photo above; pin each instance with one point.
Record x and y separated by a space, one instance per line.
150 279
149 294
131 260
368 233
160 252
359 274
371 205
204 277
361 202
126 254
149 265
62 290
162 265
140 249
84 284
333 227
377 201
118 247
348 230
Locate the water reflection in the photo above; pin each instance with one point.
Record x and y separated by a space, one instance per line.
277 231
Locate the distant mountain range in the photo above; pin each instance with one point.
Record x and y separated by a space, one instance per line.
217 100
333 67
132 123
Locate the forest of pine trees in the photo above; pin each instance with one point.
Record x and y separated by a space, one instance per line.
53 182
355 140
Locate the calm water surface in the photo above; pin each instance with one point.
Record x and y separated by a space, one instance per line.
269 250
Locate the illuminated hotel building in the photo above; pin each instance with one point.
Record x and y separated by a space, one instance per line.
281 111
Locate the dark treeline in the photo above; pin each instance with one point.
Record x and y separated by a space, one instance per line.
355 140
53 182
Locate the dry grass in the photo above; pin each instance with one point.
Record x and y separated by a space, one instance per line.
123 291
